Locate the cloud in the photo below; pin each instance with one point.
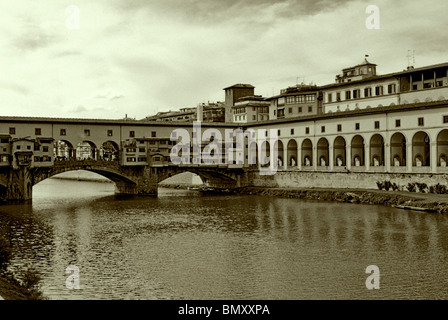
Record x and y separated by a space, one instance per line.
108 94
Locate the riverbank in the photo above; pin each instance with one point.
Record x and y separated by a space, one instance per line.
428 202
10 289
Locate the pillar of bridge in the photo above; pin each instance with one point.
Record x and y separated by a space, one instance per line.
19 184
143 181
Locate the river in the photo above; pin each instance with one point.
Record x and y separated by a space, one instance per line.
184 245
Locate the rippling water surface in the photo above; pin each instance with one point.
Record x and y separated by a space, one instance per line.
182 245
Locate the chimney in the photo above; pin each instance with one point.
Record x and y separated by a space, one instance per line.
199 113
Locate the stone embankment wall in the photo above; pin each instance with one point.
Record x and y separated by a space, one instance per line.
341 180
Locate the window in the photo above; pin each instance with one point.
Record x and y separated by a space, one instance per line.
36 147
377 124
132 134
45 148
310 109
338 96
62 132
310 98
290 110
307 130
278 132
275 111
292 131
348 95
322 129
300 99
339 127
141 149
445 119
141 159
379 90
3 140
392 88
153 134
12 130
37 131
18 147
131 159
254 117
87 132
397 123
330 98
300 109
28 147
110 133
356 94
357 126
421 122
367 92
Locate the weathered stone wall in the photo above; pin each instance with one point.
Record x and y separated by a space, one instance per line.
297 179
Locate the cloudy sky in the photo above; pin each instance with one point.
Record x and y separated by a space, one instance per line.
139 57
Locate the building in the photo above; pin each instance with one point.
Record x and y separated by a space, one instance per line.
232 94
250 109
210 112
300 100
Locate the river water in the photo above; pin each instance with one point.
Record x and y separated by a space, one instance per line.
184 245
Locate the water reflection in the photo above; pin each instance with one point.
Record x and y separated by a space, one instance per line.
182 245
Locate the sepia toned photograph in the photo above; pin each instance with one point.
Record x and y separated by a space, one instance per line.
203 150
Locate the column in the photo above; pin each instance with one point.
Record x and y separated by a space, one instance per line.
387 156
348 156
314 157
409 159
299 157
331 156
285 157
433 155
367 156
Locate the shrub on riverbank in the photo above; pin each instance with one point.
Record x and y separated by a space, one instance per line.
24 286
413 187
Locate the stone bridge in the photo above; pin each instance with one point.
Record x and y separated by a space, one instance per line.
16 184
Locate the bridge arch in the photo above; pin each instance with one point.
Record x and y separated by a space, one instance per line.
124 182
